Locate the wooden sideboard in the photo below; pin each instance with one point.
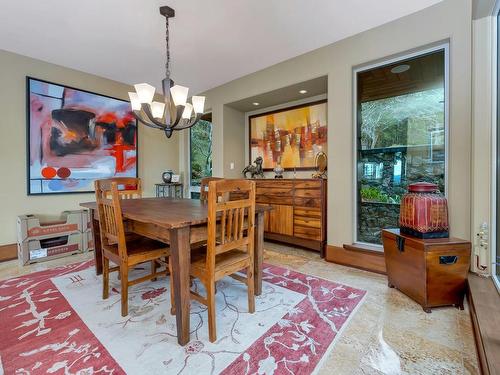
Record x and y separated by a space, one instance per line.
298 216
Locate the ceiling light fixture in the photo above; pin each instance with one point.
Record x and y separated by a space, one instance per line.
255 103
174 112
400 69
303 92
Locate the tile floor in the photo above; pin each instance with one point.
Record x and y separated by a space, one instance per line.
390 334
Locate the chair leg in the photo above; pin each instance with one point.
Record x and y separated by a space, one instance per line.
212 333
105 278
153 269
251 290
124 291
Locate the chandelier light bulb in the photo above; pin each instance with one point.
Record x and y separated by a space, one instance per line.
188 109
157 109
179 94
198 104
134 101
145 92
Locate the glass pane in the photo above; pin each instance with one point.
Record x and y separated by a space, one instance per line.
401 137
201 151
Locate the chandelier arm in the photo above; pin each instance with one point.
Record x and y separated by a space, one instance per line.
191 123
178 117
148 113
195 119
138 116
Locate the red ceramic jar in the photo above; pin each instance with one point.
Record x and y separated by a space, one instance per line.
424 212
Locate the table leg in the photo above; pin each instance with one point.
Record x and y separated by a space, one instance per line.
97 242
258 251
180 250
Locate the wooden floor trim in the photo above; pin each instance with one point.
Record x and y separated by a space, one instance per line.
484 304
8 252
351 256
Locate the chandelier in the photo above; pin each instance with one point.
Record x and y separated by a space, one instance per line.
174 113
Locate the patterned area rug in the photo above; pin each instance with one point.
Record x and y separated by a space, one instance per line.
56 322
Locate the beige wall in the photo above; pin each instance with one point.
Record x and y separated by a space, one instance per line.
156 153
234 142
483 125
450 21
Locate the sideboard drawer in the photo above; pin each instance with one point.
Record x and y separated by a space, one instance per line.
310 184
308 233
274 191
307 202
274 199
308 212
307 222
308 193
274 184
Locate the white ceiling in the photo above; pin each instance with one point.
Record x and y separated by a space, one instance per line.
213 41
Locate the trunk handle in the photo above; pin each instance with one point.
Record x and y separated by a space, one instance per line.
448 259
400 241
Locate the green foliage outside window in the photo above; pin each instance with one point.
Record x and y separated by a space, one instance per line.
201 151
374 194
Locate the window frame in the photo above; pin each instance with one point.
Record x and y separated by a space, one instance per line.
442 46
495 142
191 188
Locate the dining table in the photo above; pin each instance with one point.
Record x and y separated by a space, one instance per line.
180 223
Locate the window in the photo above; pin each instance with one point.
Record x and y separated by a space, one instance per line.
200 143
400 137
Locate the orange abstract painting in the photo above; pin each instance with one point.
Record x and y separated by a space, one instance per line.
294 134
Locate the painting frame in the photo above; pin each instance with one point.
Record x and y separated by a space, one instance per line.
28 135
281 110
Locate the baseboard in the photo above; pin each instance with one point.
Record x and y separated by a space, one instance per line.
302 242
484 303
8 252
364 259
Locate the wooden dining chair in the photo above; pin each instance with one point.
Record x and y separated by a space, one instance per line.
204 187
230 244
116 248
128 187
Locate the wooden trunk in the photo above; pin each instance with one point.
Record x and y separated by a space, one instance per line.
433 272
299 211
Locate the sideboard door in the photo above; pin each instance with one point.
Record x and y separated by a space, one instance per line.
279 220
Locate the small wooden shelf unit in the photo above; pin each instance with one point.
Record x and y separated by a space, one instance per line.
298 216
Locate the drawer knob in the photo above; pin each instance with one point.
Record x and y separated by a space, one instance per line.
448 259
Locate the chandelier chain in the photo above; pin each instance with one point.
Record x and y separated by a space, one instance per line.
172 116
167 41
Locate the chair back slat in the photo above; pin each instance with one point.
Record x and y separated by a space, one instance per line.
234 218
229 231
110 216
128 187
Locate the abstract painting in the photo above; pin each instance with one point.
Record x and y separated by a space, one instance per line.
293 135
76 137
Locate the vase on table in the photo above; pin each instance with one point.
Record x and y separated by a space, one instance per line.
278 169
